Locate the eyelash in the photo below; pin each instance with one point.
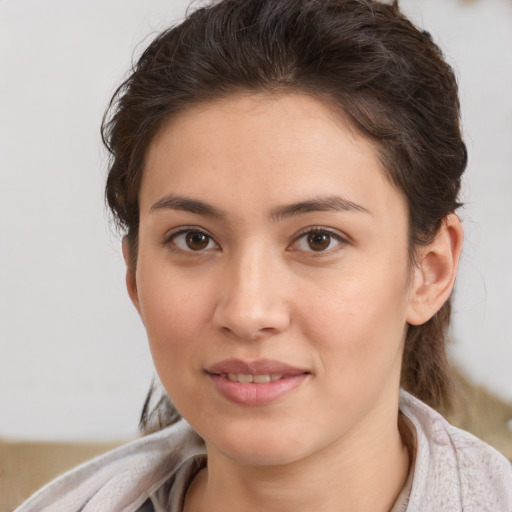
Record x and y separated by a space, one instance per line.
170 240
311 231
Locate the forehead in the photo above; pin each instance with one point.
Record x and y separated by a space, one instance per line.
279 144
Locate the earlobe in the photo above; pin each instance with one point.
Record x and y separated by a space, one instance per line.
435 273
131 280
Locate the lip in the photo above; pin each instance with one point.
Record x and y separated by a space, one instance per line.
255 394
257 367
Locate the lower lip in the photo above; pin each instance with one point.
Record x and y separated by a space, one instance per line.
256 394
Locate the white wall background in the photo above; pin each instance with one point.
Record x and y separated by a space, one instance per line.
73 357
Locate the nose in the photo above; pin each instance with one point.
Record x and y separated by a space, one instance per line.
252 303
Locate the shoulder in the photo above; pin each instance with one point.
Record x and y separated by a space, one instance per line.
120 480
453 469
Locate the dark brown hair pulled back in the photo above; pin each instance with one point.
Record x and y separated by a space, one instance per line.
365 58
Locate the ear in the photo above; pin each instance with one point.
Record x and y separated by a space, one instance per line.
131 278
435 273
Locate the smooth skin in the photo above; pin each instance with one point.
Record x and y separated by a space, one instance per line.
269 230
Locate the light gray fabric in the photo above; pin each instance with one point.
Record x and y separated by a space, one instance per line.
453 472
121 480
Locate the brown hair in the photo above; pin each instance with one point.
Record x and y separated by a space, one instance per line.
365 58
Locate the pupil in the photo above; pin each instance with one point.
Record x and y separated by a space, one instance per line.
319 241
196 241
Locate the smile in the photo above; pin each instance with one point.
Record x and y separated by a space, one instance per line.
247 378
255 383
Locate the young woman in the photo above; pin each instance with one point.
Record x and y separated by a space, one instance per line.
286 173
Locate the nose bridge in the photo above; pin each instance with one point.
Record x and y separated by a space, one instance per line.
252 302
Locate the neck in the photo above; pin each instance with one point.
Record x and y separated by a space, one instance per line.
365 470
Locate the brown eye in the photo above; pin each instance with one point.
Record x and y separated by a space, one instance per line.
196 241
191 240
318 241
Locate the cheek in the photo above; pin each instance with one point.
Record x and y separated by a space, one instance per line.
173 312
358 320
171 321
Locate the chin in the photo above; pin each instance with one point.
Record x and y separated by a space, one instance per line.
257 446
261 456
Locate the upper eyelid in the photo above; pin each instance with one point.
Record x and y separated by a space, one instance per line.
185 229
321 229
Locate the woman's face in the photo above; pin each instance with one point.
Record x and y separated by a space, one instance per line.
272 277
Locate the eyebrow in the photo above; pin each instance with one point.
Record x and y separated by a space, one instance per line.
188 205
321 204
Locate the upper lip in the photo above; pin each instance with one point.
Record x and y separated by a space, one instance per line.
257 367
